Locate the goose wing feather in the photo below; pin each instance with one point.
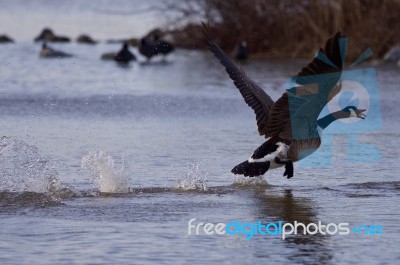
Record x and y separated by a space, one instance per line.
253 95
297 110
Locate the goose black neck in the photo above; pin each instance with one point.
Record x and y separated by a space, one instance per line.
328 119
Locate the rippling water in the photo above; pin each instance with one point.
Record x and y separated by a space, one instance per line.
102 19
101 164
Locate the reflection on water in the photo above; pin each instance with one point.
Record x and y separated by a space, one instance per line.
282 205
162 214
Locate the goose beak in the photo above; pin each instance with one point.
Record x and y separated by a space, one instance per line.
360 113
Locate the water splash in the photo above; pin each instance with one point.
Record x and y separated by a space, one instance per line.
109 179
249 181
23 169
194 180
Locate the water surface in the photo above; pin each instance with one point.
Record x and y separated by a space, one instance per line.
102 164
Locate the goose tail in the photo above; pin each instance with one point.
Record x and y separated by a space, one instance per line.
251 169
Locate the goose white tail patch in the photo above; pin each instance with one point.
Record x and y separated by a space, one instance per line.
281 152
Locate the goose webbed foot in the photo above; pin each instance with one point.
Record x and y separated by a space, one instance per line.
289 170
288 167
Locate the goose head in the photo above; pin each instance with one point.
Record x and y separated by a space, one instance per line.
351 111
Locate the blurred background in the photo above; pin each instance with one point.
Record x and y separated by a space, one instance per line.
271 28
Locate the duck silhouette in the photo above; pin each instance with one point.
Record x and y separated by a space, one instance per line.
123 56
147 49
241 51
85 39
5 39
163 47
48 52
48 35
153 45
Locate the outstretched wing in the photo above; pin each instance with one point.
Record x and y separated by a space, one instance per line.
254 96
295 113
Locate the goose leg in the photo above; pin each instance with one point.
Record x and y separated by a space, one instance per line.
288 166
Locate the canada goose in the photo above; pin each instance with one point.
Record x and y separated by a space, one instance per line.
124 55
85 39
163 47
48 35
274 121
147 49
155 47
48 52
241 51
5 39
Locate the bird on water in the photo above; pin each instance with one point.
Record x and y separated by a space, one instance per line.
153 46
48 52
241 52
290 125
124 55
147 49
163 47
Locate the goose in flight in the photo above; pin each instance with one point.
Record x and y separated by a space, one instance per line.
290 125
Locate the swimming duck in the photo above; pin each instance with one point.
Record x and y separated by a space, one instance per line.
48 35
153 46
85 39
5 39
48 52
163 47
241 51
124 55
147 49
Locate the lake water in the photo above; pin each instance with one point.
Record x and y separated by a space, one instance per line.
102 164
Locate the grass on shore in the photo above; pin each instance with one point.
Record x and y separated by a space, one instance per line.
290 28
